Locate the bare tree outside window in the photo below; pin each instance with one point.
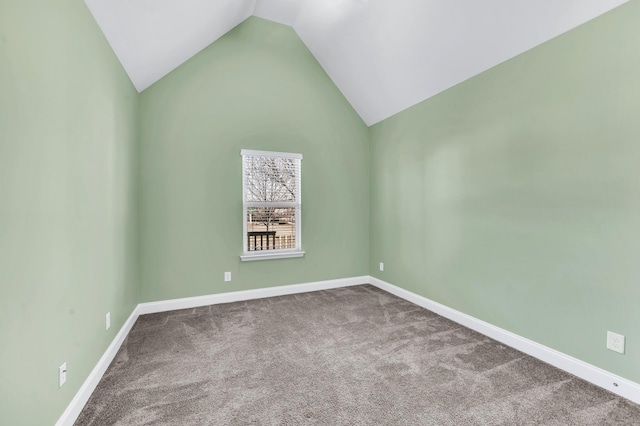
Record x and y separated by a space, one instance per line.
273 180
271 201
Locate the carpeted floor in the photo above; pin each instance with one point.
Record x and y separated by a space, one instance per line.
349 356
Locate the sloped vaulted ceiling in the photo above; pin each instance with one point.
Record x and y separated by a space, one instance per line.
384 55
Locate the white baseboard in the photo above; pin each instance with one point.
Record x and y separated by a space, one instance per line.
78 402
618 385
76 405
613 383
238 296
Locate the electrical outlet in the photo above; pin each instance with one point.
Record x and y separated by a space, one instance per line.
62 374
381 266
227 276
108 320
615 342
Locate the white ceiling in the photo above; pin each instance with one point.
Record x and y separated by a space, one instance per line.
153 37
384 56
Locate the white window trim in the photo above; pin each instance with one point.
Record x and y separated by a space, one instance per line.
271 254
255 153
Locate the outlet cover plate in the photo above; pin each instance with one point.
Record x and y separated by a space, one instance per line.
62 374
227 276
615 342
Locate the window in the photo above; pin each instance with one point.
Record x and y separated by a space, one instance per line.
271 205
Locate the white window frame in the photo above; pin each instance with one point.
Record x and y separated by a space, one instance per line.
280 253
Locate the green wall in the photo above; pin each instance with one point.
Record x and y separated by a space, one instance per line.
67 203
258 87
515 196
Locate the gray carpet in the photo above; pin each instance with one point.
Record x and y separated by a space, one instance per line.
349 356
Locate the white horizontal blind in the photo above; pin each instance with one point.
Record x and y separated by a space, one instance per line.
271 202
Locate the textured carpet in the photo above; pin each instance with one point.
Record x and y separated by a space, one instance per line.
349 356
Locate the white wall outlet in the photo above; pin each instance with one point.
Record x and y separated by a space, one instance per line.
227 276
62 374
108 320
615 342
381 266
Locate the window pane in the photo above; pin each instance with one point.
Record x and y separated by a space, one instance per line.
271 228
270 179
271 202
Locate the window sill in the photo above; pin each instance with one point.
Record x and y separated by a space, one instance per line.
265 256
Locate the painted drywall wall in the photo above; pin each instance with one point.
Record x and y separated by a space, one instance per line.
515 196
67 203
258 87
